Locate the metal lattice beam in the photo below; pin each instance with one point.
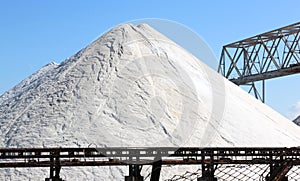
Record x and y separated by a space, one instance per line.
265 56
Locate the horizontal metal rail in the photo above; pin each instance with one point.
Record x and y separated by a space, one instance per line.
266 75
40 157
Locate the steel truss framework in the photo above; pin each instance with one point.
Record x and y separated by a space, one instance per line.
268 55
277 162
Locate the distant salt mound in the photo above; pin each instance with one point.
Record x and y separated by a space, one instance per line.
133 87
297 121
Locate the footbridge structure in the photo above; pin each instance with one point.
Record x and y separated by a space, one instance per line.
269 55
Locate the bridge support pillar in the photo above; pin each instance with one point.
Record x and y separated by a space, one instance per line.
54 170
156 168
278 171
134 173
208 172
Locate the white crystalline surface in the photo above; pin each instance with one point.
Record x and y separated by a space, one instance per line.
133 87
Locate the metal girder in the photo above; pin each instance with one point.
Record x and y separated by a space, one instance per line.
284 31
265 56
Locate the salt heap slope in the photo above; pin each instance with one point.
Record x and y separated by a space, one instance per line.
135 87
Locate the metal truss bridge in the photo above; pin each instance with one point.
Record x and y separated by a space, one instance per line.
265 56
274 163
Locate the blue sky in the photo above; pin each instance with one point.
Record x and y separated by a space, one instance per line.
34 33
